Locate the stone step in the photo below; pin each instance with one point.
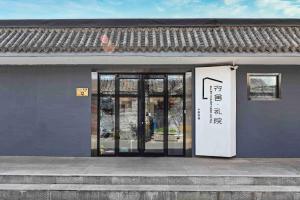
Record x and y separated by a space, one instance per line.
150 180
146 192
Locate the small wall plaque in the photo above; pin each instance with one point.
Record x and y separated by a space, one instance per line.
82 92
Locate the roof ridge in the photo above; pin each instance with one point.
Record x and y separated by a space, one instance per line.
145 22
151 27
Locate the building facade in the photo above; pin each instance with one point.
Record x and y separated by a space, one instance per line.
150 88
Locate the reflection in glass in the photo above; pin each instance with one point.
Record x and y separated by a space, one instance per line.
128 86
189 113
154 86
128 124
107 84
107 125
94 110
154 124
175 128
94 125
265 87
175 84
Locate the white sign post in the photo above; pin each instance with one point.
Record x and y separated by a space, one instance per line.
215 111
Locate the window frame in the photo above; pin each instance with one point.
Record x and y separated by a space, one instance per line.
278 78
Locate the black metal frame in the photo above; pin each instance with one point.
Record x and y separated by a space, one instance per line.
117 116
278 89
141 112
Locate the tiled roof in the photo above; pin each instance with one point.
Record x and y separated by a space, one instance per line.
223 38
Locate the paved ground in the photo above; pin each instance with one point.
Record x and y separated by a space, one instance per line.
149 166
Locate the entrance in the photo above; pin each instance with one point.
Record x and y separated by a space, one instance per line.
141 114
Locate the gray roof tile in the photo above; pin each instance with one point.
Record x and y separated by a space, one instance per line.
227 39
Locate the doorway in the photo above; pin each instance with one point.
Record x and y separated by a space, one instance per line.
141 115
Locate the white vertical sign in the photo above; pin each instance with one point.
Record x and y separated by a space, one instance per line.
215 117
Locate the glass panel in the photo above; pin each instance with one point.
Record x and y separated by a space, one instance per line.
107 84
154 76
128 86
263 87
154 124
175 129
129 76
94 113
107 125
154 86
189 113
128 124
175 84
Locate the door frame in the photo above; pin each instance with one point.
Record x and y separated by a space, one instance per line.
141 114
117 114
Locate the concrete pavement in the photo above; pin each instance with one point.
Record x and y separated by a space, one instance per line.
149 166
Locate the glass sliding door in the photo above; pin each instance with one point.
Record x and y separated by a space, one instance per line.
106 115
154 115
128 114
176 115
141 114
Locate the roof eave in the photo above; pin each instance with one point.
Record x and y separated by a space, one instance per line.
154 54
81 60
